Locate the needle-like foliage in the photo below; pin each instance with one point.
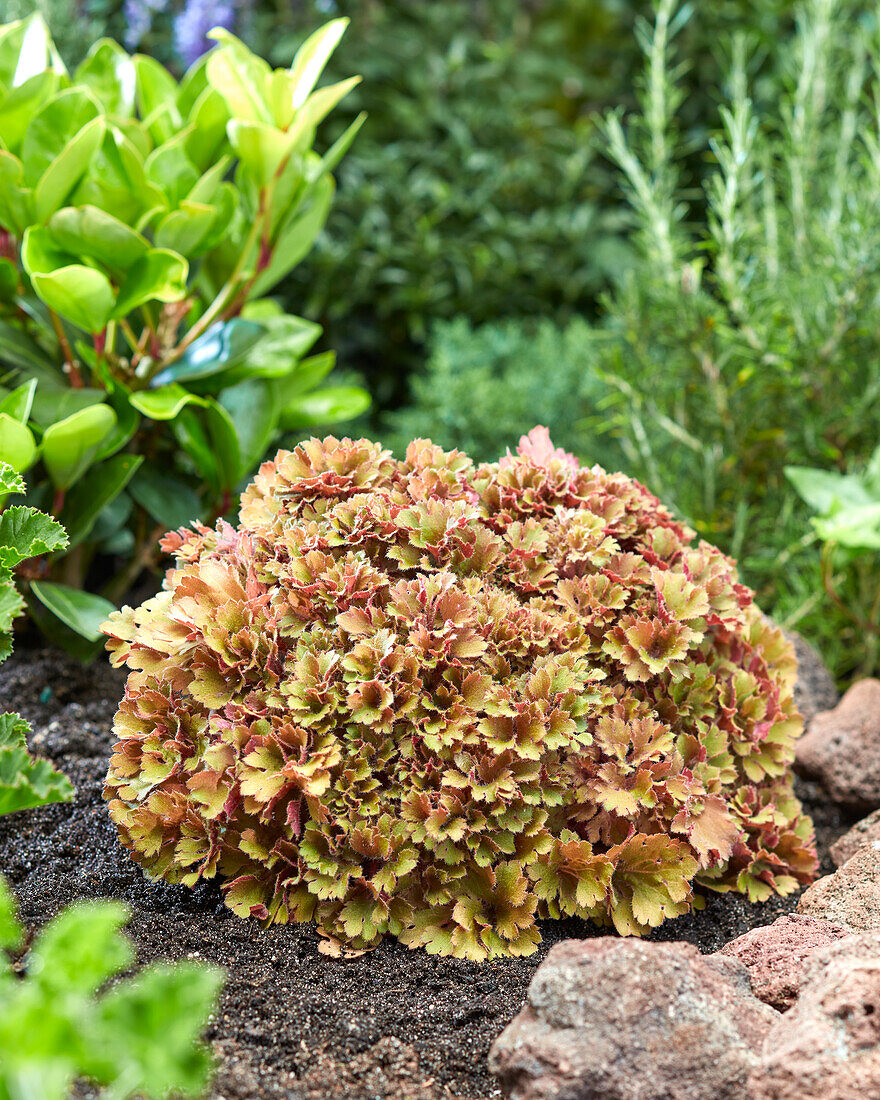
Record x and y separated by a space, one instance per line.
442 701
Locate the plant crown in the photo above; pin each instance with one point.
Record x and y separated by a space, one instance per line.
442 701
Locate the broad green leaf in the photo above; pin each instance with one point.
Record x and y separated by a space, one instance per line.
79 293
93 492
16 200
311 58
306 376
857 527
82 611
110 73
255 417
26 783
154 85
70 446
164 403
822 489
297 237
222 346
127 421
182 230
162 1011
80 949
8 280
158 275
240 77
209 438
206 143
52 403
168 499
67 169
17 446
27 533
325 406
35 50
169 168
224 440
22 103
117 180
89 232
19 402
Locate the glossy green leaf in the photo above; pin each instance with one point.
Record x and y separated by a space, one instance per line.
208 437
222 346
16 200
19 402
68 167
154 85
206 142
261 147
305 376
52 403
79 293
224 441
240 77
164 403
325 406
70 446
22 103
82 612
25 782
127 421
89 232
17 446
170 169
317 107
26 49
158 275
254 415
182 230
167 498
19 350
94 491
110 73
856 527
311 58
117 180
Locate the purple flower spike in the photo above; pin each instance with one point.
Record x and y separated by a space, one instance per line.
191 26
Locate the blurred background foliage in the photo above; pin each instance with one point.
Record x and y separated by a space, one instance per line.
687 288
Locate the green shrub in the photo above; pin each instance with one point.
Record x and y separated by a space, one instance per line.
142 222
749 339
24 534
139 1037
484 387
442 701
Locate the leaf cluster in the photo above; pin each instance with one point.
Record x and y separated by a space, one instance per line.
24 533
140 1036
442 701
142 222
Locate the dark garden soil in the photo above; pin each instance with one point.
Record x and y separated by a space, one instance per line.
392 1025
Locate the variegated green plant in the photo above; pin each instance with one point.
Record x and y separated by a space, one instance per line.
443 701
24 533
143 371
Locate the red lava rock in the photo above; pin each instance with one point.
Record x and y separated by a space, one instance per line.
815 689
616 1019
865 834
775 954
828 1046
851 896
841 748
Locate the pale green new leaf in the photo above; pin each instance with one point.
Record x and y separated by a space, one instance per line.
26 782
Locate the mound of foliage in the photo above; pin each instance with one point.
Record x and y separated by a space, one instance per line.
137 1038
442 701
24 533
142 223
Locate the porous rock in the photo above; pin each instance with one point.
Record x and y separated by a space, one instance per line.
828 1046
815 689
864 834
622 1019
775 954
851 896
841 748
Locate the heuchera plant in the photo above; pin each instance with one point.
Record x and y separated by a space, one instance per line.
443 701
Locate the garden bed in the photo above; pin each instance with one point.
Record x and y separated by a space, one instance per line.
292 1022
